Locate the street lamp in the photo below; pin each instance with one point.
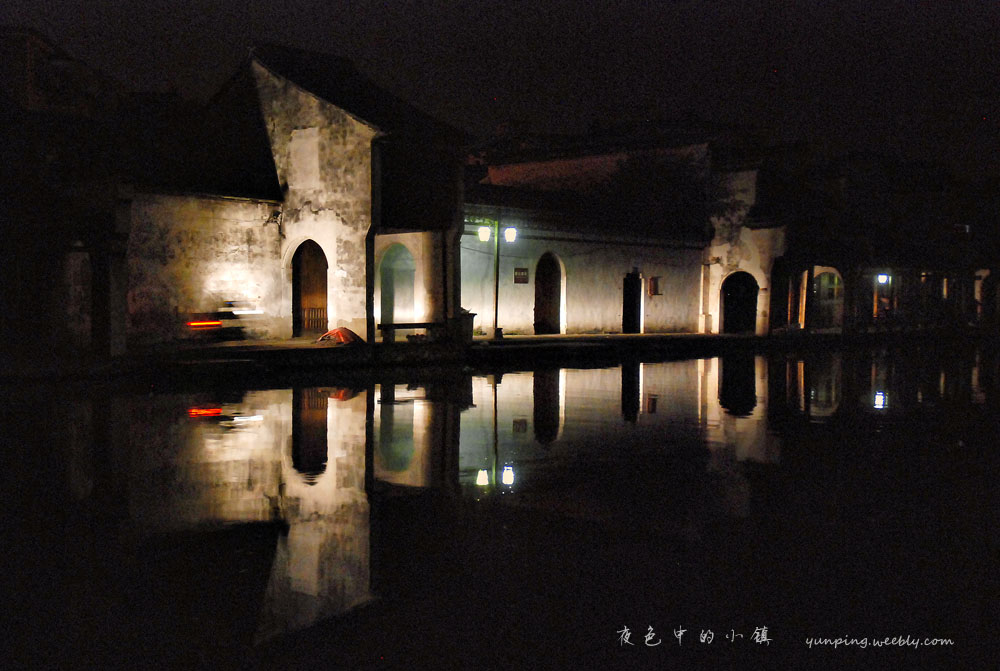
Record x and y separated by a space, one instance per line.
509 235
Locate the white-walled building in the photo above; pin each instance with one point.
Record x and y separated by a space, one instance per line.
620 239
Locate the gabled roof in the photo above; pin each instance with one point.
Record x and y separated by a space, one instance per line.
220 149
223 148
336 80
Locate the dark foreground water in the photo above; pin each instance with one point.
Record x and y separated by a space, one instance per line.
835 510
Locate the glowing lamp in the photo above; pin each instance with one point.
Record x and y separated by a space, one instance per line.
482 479
880 400
510 234
883 279
484 233
508 475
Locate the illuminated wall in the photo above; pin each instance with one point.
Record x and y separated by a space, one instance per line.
594 269
735 248
323 155
427 252
681 283
191 254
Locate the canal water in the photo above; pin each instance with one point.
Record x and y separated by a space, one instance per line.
734 512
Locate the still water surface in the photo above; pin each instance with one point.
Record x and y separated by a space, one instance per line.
486 521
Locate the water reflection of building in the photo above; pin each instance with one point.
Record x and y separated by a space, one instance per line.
322 565
822 385
296 456
733 392
660 406
415 432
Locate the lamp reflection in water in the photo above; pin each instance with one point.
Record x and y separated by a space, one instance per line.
484 477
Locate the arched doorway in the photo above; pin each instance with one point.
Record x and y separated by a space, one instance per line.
396 285
739 303
309 289
828 288
548 295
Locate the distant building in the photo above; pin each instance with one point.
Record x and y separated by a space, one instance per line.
657 230
640 232
872 243
62 255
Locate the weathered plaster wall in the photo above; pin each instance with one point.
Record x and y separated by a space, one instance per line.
738 248
594 273
323 158
190 254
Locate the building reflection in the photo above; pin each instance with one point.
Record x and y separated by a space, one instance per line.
320 463
321 565
415 432
734 411
881 382
663 407
631 391
737 388
309 448
289 456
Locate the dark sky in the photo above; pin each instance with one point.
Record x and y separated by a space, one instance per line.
917 78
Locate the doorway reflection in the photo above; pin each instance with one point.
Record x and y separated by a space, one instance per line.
547 407
737 390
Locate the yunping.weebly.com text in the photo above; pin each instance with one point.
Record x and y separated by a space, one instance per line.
879 642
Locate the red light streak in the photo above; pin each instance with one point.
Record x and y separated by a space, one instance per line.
210 324
204 412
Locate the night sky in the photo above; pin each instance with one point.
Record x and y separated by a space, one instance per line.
914 78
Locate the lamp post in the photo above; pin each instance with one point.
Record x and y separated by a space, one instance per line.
509 235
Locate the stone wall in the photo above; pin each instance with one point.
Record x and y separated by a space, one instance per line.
323 158
190 254
736 248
